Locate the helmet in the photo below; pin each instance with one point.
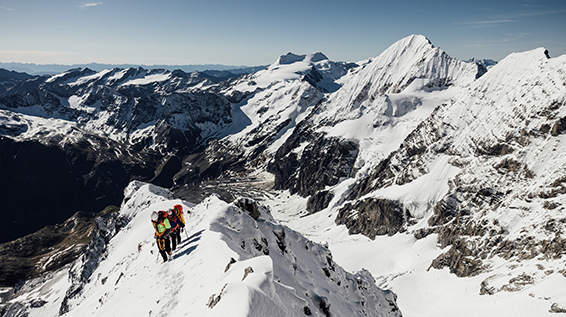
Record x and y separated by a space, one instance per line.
171 212
154 216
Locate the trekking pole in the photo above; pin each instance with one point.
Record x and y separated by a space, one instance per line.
158 248
186 234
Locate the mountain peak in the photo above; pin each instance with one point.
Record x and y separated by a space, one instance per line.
413 40
412 44
417 38
525 60
291 58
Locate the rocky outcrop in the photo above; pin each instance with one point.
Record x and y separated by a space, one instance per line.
81 271
46 250
372 217
319 201
324 161
248 205
460 260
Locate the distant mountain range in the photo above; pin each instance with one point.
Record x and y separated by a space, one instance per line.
445 179
50 69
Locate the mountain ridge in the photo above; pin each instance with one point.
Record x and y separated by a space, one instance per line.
284 274
50 69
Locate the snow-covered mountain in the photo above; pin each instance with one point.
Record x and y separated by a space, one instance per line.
379 104
481 177
442 171
135 106
232 262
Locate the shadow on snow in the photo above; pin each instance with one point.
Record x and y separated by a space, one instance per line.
192 239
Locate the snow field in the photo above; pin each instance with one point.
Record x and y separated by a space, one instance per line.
402 263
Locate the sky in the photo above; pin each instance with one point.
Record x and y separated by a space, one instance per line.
251 32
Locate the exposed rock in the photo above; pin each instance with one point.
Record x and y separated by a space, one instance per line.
459 259
319 201
518 283
497 149
555 308
213 300
445 210
247 271
558 127
248 205
372 217
485 289
232 261
280 235
423 233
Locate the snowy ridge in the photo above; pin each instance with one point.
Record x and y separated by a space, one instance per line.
231 264
411 64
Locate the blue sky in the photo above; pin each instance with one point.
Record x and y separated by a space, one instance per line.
250 32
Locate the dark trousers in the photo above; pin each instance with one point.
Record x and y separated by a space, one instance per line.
175 238
164 246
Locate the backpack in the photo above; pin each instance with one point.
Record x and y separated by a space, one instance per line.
178 209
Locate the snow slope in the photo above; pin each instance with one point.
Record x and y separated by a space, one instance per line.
384 99
402 263
491 158
227 265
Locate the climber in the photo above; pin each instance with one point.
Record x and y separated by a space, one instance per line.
178 209
162 231
175 216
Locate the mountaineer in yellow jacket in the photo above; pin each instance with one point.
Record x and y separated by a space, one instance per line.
177 221
162 231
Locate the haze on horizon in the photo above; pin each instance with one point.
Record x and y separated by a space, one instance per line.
250 32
